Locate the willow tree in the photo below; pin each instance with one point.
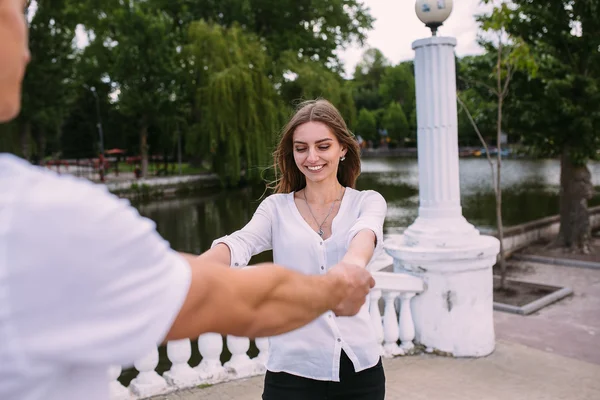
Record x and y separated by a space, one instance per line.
237 110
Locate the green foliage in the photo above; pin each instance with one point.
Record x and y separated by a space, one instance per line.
561 104
395 122
238 109
366 126
368 76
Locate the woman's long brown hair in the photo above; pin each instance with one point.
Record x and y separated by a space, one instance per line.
288 177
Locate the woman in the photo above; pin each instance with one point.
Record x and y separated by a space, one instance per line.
316 220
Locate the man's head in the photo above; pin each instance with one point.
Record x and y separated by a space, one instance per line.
14 56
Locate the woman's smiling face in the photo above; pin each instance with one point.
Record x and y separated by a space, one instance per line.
317 151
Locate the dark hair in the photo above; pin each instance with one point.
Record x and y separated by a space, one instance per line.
288 177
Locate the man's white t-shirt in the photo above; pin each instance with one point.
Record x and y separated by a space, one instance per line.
85 282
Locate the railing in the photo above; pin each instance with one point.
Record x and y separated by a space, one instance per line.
394 328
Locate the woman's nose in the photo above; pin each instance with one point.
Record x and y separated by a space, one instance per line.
312 156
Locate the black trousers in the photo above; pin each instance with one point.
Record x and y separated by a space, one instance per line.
364 385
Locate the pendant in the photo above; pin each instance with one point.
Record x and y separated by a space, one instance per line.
320 232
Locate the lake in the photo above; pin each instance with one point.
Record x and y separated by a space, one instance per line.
530 191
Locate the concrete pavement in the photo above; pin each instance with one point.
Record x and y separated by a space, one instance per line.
512 372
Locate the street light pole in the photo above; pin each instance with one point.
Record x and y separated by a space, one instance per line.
455 313
100 133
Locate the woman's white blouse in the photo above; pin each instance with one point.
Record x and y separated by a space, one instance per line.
314 350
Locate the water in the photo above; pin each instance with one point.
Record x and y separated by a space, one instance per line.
530 191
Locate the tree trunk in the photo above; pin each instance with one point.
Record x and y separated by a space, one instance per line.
144 145
25 136
575 190
41 145
498 169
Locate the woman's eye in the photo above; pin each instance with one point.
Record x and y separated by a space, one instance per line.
323 147
300 149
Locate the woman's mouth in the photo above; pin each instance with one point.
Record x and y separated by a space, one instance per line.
316 168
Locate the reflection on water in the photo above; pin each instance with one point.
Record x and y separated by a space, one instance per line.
530 191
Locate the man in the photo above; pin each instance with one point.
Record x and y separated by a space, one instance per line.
85 282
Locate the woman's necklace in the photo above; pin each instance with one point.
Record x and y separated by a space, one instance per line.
320 231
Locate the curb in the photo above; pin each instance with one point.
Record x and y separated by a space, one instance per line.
535 305
556 261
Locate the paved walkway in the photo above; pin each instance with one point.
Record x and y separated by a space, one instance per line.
512 372
553 354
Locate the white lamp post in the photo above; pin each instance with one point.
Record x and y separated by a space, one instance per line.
455 313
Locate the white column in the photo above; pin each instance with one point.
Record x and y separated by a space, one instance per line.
440 222
455 313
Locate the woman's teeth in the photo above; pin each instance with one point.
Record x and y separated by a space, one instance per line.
317 168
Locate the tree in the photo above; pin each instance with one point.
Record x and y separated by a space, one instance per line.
48 84
314 29
511 54
238 109
394 121
368 76
398 85
366 125
560 106
145 66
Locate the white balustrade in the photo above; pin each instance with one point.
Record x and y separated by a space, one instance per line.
406 326
376 318
117 390
262 344
181 375
210 369
394 326
148 382
240 365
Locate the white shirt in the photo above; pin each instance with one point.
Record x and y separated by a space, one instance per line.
314 350
85 283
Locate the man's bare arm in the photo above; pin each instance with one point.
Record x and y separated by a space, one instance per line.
265 300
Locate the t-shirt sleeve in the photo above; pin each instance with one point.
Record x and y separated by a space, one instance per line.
95 282
373 209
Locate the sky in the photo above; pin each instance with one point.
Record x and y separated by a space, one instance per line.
397 26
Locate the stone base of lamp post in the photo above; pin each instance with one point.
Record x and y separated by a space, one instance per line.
455 313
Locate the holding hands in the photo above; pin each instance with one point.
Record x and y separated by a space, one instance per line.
356 282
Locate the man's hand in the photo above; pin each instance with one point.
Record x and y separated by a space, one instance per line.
357 282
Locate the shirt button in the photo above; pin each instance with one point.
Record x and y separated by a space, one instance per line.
322 267
339 340
236 264
329 315
321 243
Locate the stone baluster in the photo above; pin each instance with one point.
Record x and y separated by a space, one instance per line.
263 353
376 321
210 369
117 390
240 364
406 326
148 382
181 375
390 326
